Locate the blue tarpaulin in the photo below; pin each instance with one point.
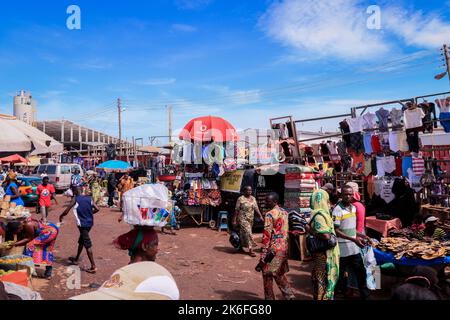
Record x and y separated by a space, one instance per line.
114 165
386 257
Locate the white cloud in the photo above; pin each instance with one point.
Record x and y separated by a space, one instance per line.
417 28
51 94
180 27
317 28
157 82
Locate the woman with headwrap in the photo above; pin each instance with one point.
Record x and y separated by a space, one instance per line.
141 243
12 189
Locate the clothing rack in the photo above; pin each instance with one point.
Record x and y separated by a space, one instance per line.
294 132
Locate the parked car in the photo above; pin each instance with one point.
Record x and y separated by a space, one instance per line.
27 189
59 174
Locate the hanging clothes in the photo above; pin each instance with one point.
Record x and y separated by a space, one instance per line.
345 129
429 109
412 138
413 118
358 163
356 124
406 165
334 154
367 171
376 145
383 117
368 143
370 121
443 104
418 166
396 117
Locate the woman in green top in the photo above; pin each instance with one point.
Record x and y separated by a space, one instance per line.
325 271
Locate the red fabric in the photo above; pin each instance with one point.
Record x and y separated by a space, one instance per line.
126 241
360 216
45 195
209 129
358 162
376 145
383 226
398 167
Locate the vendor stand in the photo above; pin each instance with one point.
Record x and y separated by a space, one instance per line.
205 138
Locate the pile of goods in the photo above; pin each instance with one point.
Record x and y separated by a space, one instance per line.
6 245
403 247
15 260
10 211
403 233
4 273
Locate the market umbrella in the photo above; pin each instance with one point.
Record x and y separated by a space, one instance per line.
115 165
208 129
15 158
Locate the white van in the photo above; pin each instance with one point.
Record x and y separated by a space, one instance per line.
60 174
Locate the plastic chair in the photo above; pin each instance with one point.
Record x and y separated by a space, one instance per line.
223 221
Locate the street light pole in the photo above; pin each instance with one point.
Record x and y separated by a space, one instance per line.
119 111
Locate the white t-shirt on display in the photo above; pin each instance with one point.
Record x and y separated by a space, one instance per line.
356 124
370 121
413 118
386 192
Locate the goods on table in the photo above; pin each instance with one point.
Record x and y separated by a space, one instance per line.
414 249
6 245
15 213
4 273
18 260
403 233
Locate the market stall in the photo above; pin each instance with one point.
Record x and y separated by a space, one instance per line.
206 153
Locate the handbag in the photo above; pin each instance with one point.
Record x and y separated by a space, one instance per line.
315 244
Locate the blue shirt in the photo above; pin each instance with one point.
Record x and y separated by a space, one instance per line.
83 211
18 201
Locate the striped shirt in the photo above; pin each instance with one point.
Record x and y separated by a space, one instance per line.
345 221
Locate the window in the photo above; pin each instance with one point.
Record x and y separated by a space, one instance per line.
51 169
42 169
35 183
74 168
65 169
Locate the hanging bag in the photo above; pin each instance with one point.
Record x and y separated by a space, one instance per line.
314 244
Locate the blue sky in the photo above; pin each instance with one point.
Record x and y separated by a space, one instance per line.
244 60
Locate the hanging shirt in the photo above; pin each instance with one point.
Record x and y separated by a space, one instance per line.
376 145
356 124
358 162
413 118
370 121
443 104
383 117
386 191
402 141
367 166
393 141
368 143
396 117
398 166
418 166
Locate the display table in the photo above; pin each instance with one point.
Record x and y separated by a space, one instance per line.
383 226
383 257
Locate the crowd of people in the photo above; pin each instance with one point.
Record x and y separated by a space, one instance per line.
336 235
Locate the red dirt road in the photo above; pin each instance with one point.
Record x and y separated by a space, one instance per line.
203 263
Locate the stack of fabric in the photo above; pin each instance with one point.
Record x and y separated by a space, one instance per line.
299 187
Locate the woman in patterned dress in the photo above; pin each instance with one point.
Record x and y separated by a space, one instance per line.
275 240
39 240
246 206
325 271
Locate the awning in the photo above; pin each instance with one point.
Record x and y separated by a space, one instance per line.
17 136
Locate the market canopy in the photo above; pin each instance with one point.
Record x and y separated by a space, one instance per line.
115 165
18 136
13 159
209 128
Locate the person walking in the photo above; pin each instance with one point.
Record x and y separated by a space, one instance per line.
275 242
126 183
84 209
350 242
112 185
46 193
246 206
325 270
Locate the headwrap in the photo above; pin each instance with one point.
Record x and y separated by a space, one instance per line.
320 201
135 239
355 188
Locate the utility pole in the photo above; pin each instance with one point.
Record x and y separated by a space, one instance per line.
119 110
170 124
447 60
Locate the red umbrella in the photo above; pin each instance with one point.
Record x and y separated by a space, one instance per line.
208 129
14 159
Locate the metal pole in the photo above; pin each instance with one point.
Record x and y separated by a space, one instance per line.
447 60
170 124
120 126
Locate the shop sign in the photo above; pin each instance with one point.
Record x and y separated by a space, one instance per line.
231 181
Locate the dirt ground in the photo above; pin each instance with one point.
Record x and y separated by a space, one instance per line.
202 261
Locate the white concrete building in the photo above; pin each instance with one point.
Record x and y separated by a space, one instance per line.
25 107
